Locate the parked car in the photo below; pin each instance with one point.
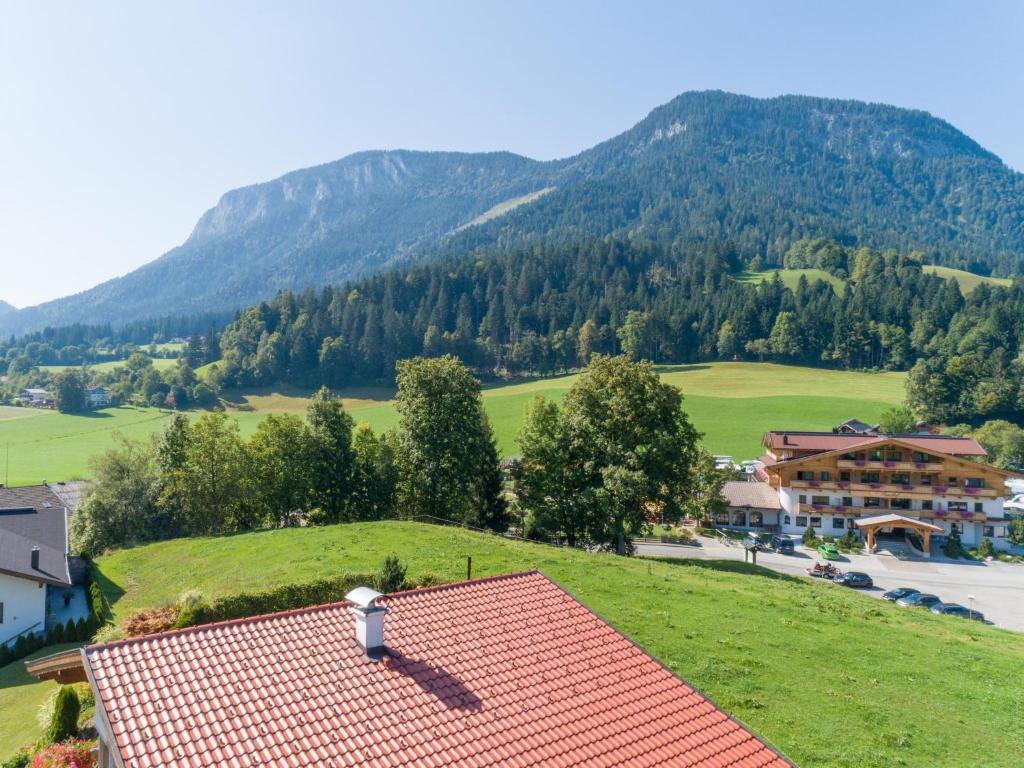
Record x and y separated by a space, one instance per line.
918 600
855 579
828 551
895 594
755 541
955 609
781 544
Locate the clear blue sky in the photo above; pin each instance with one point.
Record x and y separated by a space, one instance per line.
121 123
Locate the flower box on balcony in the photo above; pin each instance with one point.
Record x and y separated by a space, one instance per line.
814 484
840 508
843 484
920 465
876 486
966 514
889 464
941 512
817 507
971 491
939 489
907 487
860 463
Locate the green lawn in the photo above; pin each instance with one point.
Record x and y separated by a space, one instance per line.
732 403
160 363
968 281
832 677
791 277
21 696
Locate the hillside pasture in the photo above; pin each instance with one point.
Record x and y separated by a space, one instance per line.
968 281
791 277
778 652
160 363
731 403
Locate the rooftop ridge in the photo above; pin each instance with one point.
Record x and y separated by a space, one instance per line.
300 611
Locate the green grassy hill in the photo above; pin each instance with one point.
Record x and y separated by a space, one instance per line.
160 363
968 281
832 677
791 277
732 403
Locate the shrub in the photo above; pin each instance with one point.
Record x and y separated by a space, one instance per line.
985 548
953 549
427 579
810 538
848 542
20 760
5 654
391 576
70 754
66 708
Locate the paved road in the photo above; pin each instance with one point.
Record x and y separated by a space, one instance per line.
998 588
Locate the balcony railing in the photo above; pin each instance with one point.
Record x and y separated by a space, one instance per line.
915 490
840 509
919 466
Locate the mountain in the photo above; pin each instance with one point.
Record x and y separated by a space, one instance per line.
751 174
6 309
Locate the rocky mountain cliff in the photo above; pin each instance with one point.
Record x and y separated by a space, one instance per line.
752 174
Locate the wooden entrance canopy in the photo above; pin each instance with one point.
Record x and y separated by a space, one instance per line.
871 526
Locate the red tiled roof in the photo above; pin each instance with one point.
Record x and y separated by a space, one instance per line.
827 441
506 671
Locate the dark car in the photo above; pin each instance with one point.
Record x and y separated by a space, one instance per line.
955 609
854 579
895 594
782 544
919 600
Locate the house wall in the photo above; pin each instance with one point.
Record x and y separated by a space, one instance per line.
24 605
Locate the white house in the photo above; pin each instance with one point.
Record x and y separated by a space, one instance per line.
34 396
35 570
98 397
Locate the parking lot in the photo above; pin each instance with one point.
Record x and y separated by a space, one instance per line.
998 588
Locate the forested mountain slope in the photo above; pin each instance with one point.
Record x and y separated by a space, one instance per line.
752 174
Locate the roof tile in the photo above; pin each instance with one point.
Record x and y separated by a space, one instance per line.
506 671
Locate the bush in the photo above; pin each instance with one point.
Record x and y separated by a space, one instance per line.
20 760
427 579
391 576
953 549
985 548
66 708
848 542
810 538
70 754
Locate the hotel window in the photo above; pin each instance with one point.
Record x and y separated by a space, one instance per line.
804 475
849 456
951 481
869 477
974 482
824 476
875 455
899 504
988 530
957 506
925 480
837 522
844 476
872 502
721 518
926 505
901 478
785 520
847 501
756 518
819 499
801 521
815 522
978 507
803 498
921 458
893 456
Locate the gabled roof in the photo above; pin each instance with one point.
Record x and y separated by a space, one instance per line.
877 442
829 441
897 520
739 493
506 671
33 516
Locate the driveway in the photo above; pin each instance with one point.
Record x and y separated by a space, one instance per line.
998 588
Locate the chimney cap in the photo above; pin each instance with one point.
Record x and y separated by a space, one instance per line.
364 597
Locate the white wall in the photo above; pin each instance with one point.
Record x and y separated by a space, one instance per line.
24 605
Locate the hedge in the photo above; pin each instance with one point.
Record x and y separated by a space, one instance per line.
284 598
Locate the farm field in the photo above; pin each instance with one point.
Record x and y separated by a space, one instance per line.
732 403
825 657
968 281
160 363
791 277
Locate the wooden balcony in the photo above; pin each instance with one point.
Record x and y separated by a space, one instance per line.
902 466
890 490
924 514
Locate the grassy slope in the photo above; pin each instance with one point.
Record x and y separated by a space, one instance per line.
791 277
160 363
732 403
968 281
833 678
21 696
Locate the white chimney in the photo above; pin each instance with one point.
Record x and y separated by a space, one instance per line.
369 620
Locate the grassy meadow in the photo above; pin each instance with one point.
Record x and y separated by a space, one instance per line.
833 678
160 363
732 403
791 277
967 281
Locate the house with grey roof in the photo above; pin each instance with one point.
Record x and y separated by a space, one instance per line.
40 583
